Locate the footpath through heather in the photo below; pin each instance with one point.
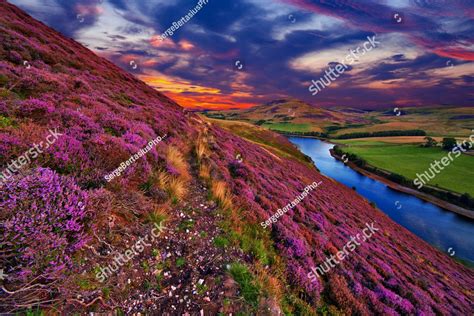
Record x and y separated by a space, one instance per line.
185 270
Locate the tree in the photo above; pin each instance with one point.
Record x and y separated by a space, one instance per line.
449 143
430 142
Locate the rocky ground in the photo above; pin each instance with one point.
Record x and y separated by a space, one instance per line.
184 271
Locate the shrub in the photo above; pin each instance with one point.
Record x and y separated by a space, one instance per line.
3 80
449 143
238 170
45 221
430 142
415 132
34 108
395 177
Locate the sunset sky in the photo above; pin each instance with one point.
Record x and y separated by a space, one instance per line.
239 53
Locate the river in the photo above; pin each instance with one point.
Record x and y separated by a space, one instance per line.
447 231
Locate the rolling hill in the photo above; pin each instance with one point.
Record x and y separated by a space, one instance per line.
291 115
298 116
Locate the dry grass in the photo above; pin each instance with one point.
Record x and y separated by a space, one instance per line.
163 180
202 149
271 285
177 160
178 188
204 171
220 192
159 214
175 186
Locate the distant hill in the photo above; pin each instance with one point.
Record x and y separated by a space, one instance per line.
290 115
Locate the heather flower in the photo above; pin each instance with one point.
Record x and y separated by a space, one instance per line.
171 170
298 247
34 107
44 213
15 57
3 107
114 124
77 124
67 155
45 216
238 170
8 145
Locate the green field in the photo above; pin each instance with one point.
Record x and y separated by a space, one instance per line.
288 127
408 160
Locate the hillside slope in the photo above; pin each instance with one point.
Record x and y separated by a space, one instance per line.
192 206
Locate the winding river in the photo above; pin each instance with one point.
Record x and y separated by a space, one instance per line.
449 232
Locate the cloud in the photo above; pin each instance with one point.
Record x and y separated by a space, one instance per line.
281 46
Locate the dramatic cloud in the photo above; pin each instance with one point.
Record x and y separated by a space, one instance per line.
243 52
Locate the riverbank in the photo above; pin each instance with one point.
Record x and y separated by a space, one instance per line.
287 134
401 188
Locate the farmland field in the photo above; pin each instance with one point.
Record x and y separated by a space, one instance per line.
408 160
289 127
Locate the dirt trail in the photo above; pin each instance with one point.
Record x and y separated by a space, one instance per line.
192 270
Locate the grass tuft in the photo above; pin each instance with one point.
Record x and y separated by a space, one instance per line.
175 186
220 192
177 160
221 242
159 215
249 289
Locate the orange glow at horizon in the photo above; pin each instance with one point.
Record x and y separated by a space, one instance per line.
193 96
207 102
